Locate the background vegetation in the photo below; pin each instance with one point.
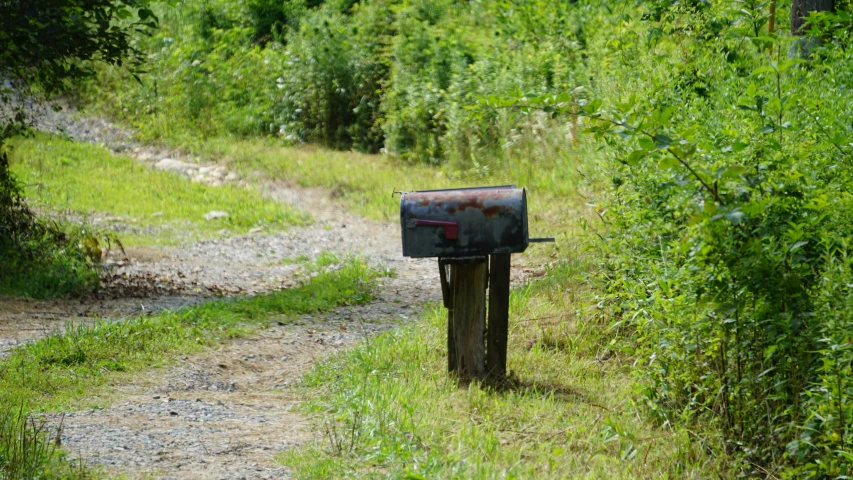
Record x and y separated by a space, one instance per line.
45 47
722 153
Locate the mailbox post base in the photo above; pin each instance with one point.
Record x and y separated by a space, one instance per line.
473 351
465 299
498 331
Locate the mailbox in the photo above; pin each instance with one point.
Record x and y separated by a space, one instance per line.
473 231
464 222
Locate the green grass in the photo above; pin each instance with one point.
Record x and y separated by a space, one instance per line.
157 207
64 371
560 186
389 409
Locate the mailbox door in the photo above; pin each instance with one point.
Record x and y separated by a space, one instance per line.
464 222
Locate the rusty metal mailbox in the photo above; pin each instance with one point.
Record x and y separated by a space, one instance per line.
464 222
473 232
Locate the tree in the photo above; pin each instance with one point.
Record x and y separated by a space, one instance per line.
800 10
45 45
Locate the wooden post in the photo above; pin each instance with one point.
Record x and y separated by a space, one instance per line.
468 319
498 331
446 297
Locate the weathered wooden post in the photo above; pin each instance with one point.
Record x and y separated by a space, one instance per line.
498 331
473 232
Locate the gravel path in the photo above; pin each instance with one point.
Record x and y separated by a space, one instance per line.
223 414
226 413
149 279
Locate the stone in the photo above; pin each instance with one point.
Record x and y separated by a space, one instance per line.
171 165
231 177
215 215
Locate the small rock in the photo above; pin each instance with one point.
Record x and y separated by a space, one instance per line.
231 177
215 215
256 230
170 165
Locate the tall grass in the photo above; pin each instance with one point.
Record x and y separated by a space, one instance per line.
389 409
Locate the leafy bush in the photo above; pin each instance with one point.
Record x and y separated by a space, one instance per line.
729 231
39 259
363 75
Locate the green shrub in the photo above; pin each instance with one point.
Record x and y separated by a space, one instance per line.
37 258
729 232
363 75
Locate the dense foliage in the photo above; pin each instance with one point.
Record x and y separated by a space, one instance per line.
728 149
45 46
37 258
730 227
389 75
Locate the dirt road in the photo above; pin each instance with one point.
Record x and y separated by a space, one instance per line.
226 413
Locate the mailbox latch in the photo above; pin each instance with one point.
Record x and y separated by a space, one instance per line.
451 229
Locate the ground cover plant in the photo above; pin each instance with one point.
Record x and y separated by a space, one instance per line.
388 408
87 180
65 370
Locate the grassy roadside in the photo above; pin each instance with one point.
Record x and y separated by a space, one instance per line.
389 409
562 186
158 207
61 371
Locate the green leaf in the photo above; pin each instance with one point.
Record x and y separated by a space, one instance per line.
734 217
733 171
662 140
667 162
647 144
145 14
634 157
764 69
667 115
797 246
